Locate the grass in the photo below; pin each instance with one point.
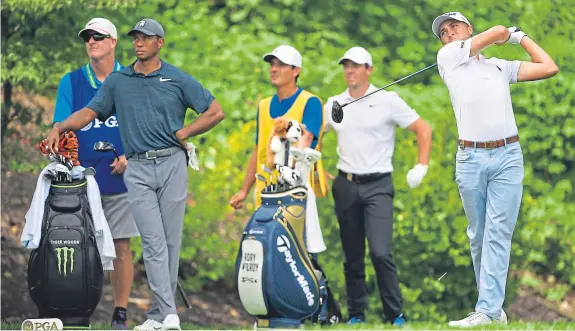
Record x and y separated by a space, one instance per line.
410 326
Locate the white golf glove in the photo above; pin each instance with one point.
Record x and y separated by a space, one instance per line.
193 159
415 175
516 35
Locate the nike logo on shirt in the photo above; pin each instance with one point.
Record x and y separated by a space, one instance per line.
164 79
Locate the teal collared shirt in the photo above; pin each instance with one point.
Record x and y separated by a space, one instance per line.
152 107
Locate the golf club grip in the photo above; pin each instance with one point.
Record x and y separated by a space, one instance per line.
184 297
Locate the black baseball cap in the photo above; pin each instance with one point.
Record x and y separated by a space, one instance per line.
148 27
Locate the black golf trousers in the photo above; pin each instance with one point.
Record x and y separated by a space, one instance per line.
364 208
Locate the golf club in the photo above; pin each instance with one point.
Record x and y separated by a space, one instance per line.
104 146
184 297
337 109
263 179
270 172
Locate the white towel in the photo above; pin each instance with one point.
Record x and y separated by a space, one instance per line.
32 231
193 159
314 238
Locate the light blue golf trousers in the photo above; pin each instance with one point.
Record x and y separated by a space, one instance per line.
490 184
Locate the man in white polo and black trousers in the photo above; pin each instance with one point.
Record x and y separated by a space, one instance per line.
489 161
363 190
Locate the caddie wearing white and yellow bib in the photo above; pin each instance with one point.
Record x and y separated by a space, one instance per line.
297 104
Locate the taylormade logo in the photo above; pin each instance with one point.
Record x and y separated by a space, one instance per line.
256 231
284 246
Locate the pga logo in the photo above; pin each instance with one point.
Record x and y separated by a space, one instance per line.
42 324
111 122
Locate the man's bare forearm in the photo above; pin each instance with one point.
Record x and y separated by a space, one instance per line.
76 121
424 143
537 54
305 140
205 122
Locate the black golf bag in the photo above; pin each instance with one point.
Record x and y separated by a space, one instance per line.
276 278
65 273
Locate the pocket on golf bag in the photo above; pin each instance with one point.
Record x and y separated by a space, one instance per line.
274 274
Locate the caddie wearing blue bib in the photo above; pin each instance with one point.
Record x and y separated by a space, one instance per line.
76 90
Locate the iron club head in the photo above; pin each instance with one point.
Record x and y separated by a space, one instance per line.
105 146
263 179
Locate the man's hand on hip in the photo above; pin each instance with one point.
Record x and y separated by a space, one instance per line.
181 136
415 175
119 165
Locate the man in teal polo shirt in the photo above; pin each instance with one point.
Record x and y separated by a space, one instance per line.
150 98
76 90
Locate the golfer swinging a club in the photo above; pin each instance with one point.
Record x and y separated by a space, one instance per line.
489 161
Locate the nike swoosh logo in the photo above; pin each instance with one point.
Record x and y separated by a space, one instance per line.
164 79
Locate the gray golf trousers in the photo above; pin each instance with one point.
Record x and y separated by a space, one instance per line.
157 190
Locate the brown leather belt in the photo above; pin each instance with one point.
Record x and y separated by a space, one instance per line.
488 144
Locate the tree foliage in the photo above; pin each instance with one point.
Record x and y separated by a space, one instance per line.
221 43
39 43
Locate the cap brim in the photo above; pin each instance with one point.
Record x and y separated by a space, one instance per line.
439 20
437 23
144 31
270 56
95 29
350 59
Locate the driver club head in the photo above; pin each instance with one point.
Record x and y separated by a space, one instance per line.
103 146
337 112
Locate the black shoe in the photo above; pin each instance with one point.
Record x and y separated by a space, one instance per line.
120 319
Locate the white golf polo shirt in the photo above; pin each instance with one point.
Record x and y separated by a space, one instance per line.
366 136
479 92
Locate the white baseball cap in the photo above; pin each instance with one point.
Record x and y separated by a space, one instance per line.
454 15
102 26
358 55
285 54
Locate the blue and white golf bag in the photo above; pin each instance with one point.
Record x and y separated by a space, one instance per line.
275 276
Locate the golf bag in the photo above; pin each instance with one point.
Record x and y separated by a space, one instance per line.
275 276
65 273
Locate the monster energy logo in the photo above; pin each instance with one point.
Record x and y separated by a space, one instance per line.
64 254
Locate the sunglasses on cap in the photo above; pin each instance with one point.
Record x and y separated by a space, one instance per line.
96 36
